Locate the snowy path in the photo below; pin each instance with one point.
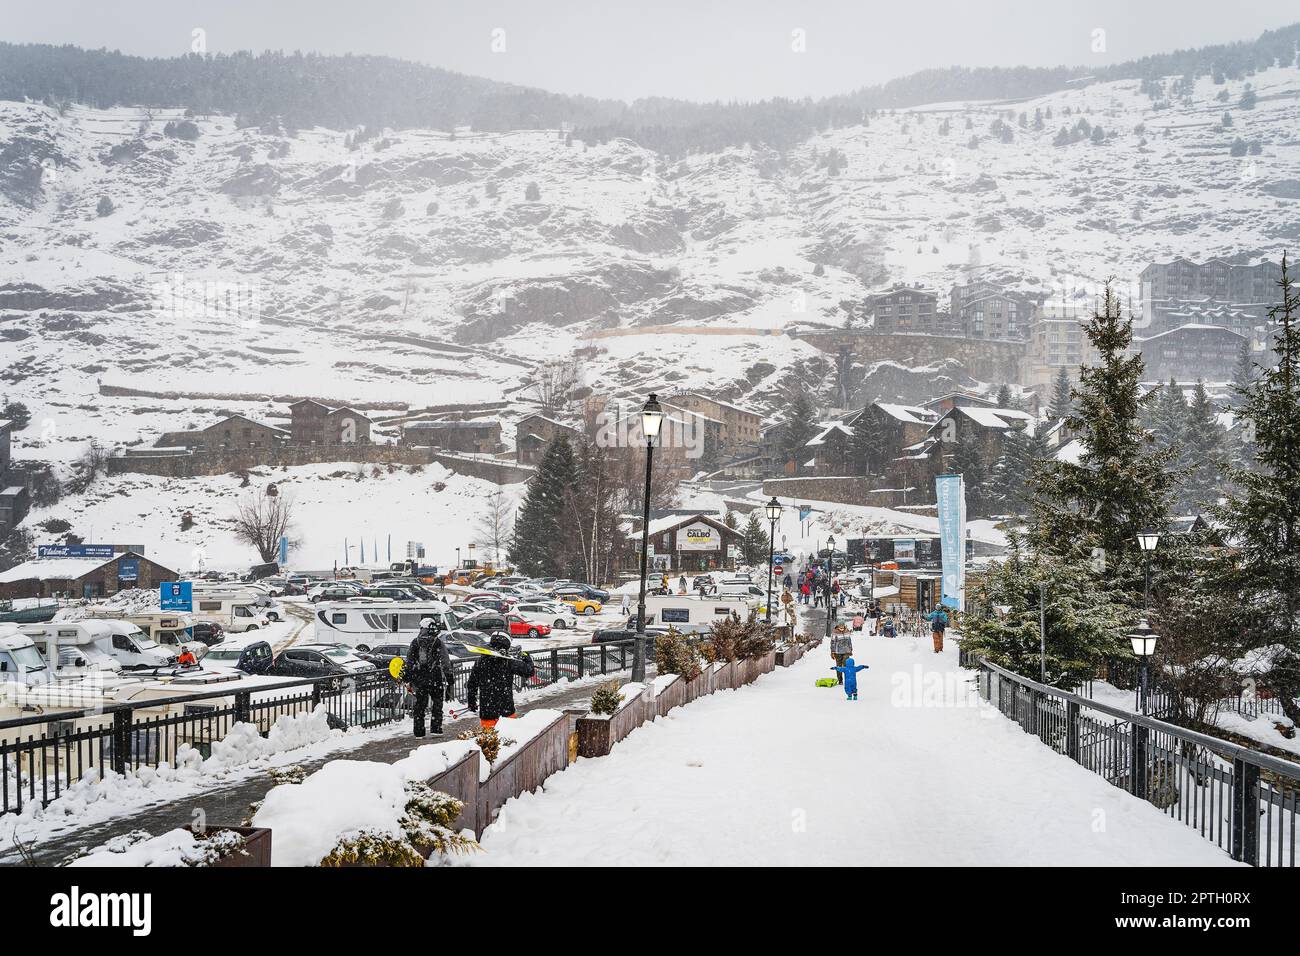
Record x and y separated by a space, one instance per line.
785 773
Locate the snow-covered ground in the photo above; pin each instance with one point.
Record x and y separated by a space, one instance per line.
915 772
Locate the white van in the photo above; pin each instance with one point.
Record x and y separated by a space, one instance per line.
121 641
169 629
688 612
259 595
365 624
234 611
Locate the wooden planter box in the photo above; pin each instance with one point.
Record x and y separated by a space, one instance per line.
702 686
674 695
598 735
257 847
724 676
524 770
460 780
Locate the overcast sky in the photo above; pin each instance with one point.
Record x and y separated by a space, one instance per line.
693 49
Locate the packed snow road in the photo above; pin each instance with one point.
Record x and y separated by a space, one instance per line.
916 771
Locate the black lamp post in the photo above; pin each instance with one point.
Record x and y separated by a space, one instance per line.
1148 541
652 416
1143 640
830 563
773 516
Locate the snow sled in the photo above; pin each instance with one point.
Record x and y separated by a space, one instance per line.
827 682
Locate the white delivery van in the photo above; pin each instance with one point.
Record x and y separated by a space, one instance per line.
688 612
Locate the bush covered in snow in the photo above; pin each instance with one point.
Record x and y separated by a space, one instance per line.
732 639
606 699
179 847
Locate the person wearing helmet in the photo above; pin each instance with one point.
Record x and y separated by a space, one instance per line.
490 690
427 669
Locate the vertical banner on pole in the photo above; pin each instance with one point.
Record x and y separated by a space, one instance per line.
284 550
950 493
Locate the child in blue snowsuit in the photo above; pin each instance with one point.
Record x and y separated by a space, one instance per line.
850 672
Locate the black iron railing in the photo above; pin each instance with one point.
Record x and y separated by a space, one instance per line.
1242 801
43 755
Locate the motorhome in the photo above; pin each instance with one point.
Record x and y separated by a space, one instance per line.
259 594
364 624
169 629
20 661
119 640
235 611
688 612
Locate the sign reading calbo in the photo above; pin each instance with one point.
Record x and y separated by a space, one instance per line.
699 537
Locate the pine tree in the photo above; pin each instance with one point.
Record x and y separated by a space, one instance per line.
753 541
1119 486
867 447
539 543
799 428
1062 404
1262 516
1205 454
1021 448
1246 371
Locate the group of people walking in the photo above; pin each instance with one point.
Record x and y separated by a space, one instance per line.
881 622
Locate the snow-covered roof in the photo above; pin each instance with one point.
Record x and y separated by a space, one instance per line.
994 417
827 428
1071 451
1190 326
718 401
669 522
54 569
5 423
910 414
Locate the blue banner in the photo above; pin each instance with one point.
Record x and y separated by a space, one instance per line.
128 569
176 596
950 494
804 512
284 551
75 551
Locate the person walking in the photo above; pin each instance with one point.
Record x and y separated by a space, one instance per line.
681 584
847 672
788 582
841 650
803 592
490 690
938 624
427 668
888 628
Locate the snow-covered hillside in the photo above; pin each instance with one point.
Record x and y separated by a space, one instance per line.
415 270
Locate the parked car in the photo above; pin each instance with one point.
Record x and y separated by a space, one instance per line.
490 622
556 613
318 660
382 654
580 603
521 626
600 595
209 632
498 604
252 655
332 592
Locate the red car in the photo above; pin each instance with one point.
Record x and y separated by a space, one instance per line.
520 627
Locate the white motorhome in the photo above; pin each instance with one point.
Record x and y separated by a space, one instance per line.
20 660
169 629
365 624
119 640
689 612
235 611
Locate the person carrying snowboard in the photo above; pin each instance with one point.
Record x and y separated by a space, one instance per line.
490 691
938 624
427 668
841 651
848 673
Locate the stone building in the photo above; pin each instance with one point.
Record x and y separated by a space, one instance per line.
480 436
233 433
985 310
534 432
1190 353
83 574
312 423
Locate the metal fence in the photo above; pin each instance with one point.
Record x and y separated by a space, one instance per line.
42 756
1242 801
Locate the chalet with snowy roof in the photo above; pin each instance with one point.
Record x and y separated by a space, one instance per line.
831 450
1191 352
534 432
230 434
686 543
480 436
313 423
82 571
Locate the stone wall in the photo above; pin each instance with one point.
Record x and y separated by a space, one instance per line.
989 360
204 463
498 472
846 491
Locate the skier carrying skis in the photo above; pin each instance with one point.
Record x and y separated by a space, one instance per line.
848 673
427 668
491 687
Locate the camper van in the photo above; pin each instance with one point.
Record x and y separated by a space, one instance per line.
688 612
235 611
169 629
20 661
267 606
365 624
120 641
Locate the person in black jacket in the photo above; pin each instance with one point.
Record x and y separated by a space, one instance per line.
491 687
427 669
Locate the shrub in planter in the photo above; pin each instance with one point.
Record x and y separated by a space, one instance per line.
488 740
180 847
606 700
735 640
675 655
426 829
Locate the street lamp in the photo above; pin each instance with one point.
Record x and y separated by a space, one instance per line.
652 416
1143 640
1148 541
773 516
830 564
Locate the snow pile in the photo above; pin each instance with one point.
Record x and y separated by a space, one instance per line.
244 745
177 847
128 602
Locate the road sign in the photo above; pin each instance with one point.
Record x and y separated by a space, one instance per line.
176 596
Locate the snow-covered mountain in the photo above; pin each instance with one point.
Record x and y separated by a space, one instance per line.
420 268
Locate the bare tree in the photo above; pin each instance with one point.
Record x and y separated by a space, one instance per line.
494 526
555 383
261 520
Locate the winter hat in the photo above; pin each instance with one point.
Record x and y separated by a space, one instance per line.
499 642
